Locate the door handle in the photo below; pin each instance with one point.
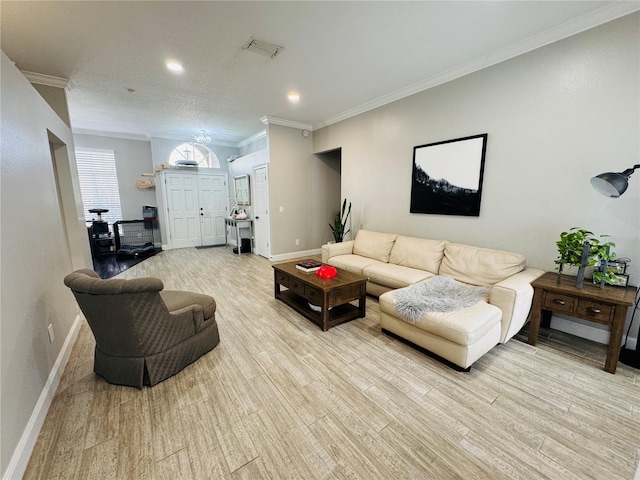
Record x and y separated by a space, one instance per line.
257 217
594 310
558 301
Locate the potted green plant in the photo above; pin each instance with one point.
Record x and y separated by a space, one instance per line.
339 227
581 248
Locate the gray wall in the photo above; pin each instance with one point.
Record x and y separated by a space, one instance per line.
133 157
41 227
555 117
306 186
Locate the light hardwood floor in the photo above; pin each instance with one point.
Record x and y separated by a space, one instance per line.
278 398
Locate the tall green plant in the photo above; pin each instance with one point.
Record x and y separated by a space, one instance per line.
340 222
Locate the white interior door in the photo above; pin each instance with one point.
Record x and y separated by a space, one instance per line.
181 197
262 231
213 199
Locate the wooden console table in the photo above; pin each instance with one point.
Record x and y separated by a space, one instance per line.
607 306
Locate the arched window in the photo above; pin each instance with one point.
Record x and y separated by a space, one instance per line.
201 154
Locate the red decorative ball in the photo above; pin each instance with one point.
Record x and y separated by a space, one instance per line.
327 271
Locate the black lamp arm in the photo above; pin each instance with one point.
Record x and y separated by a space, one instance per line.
629 171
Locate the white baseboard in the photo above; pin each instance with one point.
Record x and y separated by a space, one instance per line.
22 453
288 256
589 332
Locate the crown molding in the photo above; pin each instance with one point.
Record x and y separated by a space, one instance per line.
267 120
572 27
252 139
121 135
42 79
147 138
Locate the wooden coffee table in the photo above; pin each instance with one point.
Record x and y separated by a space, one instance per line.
332 296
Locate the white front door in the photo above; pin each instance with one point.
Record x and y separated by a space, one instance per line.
262 231
181 196
213 199
196 208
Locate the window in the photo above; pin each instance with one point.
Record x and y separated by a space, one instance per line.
202 155
99 183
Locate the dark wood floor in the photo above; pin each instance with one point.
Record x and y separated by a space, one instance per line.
110 264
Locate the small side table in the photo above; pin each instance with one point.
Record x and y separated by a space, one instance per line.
607 306
237 224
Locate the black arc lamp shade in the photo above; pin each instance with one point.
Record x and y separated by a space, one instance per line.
613 184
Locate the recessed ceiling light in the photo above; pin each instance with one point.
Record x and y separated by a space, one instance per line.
175 67
294 97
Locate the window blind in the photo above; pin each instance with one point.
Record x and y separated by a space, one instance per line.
99 183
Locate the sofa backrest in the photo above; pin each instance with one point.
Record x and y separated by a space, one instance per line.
420 253
376 245
479 266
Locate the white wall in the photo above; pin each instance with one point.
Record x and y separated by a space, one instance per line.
36 253
244 166
555 117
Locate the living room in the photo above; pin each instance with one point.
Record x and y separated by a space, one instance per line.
555 117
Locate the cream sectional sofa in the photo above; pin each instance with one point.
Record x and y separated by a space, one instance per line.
461 336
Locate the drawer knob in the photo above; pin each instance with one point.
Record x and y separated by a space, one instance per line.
594 310
558 301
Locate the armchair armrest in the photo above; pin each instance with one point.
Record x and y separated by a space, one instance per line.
332 249
513 296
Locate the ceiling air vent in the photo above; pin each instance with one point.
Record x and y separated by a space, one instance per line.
263 48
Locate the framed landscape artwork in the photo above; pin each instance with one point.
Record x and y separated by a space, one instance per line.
447 176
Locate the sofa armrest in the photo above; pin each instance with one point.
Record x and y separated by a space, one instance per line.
513 296
332 249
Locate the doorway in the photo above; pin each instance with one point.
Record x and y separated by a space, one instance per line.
262 230
196 208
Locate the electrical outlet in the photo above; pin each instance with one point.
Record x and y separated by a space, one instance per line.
51 335
297 241
281 209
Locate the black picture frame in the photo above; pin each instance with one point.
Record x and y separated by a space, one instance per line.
447 176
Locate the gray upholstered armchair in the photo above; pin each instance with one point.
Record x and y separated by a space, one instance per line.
143 334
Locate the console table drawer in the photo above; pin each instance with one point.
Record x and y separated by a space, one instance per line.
314 295
282 279
595 312
296 286
559 302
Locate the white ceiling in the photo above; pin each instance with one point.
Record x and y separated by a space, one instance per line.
342 57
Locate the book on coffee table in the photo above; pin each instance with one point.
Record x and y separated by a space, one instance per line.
308 265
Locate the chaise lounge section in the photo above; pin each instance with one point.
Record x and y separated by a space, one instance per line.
461 336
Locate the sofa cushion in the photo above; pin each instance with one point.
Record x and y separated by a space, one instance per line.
479 266
420 253
464 326
394 276
376 245
353 263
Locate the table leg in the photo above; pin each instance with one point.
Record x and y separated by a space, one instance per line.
362 302
276 285
238 241
324 313
534 324
615 339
